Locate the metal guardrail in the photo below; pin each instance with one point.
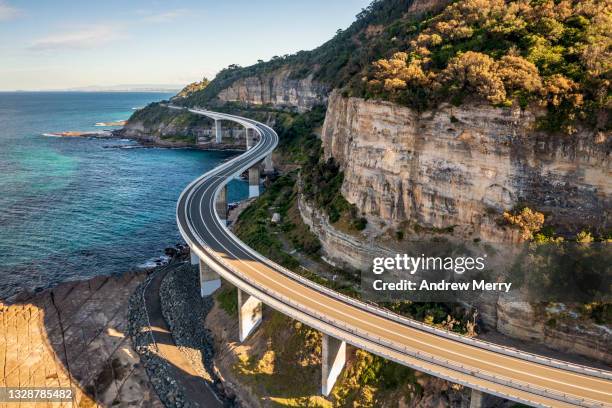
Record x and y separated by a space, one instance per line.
477 373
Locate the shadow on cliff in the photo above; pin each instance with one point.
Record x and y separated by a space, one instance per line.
74 335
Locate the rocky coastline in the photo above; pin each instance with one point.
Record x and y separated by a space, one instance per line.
148 141
74 335
151 141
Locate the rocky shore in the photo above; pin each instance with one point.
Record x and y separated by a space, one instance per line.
147 140
104 134
74 335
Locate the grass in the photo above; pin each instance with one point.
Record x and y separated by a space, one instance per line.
227 298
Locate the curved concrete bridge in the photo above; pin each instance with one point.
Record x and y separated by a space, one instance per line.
482 366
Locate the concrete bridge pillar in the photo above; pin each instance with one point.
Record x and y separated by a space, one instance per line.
251 137
268 165
333 360
221 204
249 314
194 258
218 131
254 175
209 280
254 181
476 399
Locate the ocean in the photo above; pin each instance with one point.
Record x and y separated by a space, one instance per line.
73 208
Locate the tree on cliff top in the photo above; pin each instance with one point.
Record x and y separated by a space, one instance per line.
192 88
555 53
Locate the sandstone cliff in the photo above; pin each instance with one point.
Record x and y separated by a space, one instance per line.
277 89
557 327
74 335
463 166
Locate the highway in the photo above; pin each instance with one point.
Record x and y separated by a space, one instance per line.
493 369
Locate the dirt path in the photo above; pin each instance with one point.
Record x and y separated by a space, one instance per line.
196 388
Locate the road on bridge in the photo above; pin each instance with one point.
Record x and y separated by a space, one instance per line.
506 372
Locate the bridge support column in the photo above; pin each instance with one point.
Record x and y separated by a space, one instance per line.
194 258
333 360
221 204
249 314
476 399
253 171
268 165
254 181
209 280
218 131
251 137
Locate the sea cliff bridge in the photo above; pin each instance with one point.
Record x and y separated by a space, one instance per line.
484 367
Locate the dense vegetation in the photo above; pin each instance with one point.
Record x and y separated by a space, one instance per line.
556 54
255 228
155 114
276 240
322 182
192 88
299 146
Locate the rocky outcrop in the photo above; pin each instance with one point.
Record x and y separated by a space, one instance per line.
420 7
463 166
75 335
172 134
278 89
559 329
338 248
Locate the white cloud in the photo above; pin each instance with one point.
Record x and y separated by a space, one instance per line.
8 12
83 38
163 17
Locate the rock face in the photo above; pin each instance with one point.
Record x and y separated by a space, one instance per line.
277 89
463 166
74 335
523 321
339 249
420 7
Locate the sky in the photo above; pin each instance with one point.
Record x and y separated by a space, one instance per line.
61 44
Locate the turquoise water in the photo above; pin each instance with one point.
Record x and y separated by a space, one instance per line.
72 208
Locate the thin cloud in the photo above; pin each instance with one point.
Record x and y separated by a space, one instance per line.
163 17
87 37
8 12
